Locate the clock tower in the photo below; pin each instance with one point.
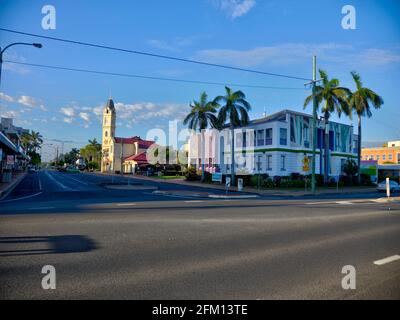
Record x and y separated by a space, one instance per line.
108 135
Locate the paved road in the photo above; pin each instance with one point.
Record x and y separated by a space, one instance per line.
137 245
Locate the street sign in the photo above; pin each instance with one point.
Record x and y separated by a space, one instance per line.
388 187
228 182
10 160
216 177
240 185
306 164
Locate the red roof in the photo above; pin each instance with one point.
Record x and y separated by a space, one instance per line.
140 158
143 144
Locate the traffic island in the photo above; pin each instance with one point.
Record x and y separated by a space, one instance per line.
204 195
126 186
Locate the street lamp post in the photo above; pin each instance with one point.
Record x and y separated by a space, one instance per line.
36 45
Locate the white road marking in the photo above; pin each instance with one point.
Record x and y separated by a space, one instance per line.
22 198
77 180
344 202
193 201
57 182
126 204
40 182
42 208
320 202
387 260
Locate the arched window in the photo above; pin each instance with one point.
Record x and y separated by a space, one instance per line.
106 134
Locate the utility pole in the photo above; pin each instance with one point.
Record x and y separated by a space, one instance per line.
314 122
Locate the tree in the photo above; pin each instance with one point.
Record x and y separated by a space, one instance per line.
335 98
201 116
91 152
233 109
31 142
360 102
71 156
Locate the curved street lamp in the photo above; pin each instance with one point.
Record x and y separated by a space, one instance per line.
36 45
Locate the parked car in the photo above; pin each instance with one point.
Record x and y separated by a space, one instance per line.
394 186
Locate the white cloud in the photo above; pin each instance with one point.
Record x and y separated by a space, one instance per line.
294 53
5 97
31 102
85 116
68 120
68 111
235 8
10 114
145 112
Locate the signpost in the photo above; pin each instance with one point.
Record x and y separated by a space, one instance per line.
388 187
306 168
227 184
240 185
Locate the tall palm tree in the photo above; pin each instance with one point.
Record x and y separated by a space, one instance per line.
335 99
36 140
360 102
201 116
234 109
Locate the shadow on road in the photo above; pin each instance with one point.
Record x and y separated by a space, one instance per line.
24 246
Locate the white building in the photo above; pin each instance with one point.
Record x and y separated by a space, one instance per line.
275 145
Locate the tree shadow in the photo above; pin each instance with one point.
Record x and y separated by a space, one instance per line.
53 244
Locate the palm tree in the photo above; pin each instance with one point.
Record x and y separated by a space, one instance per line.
335 99
360 102
201 116
234 109
36 140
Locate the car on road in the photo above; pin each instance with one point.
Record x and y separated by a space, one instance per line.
32 169
394 186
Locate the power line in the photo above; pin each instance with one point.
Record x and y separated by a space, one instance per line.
153 55
149 77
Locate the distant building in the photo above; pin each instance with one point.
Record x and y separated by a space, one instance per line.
12 155
120 154
389 154
278 145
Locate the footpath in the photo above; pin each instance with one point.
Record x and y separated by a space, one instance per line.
7 187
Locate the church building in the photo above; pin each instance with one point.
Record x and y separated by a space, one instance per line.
120 154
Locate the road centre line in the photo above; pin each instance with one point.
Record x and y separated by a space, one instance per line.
387 260
57 182
41 208
77 180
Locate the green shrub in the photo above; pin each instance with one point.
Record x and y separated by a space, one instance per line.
191 174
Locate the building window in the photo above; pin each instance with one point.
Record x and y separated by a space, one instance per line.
377 157
260 137
259 163
268 136
283 136
283 163
337 141
269 162
306 137
106 134
398 158
383 157
390 157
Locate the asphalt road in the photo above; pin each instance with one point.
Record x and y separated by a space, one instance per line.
118 244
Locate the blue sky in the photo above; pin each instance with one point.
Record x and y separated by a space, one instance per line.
273 36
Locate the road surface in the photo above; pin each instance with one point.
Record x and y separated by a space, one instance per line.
118 244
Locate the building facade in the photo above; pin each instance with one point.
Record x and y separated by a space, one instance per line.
389 154
120 154
277 145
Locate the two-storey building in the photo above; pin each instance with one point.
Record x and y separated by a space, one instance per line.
275 145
